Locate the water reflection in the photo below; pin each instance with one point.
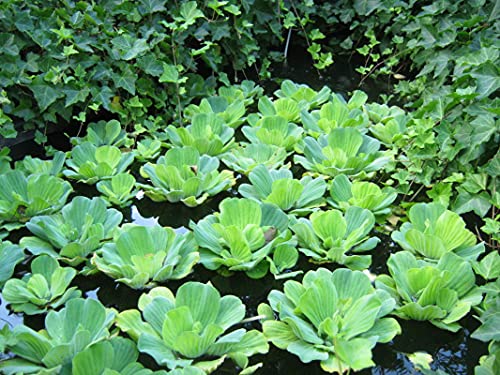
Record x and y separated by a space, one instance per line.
7 317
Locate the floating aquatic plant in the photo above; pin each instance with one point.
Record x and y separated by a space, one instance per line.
344 193
119 189
274 130
327 236
22 197
45 287
434 231
207 133
245 158
343 151
336 318
78 326
246 236
181 330
337 113
183 175
441 293
90 163
280 188
143 256
74 233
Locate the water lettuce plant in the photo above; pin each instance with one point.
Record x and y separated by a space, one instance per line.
22 197
335 114
242 237
80 324
489 315
54 166
229 104
434 231
103 133
143 256
147 149
344 193
45 287
117 355
230 109
248 156
119 189
327 236
183 175
441 293
280 188
90 163
283 107
75 232
388 124
274 130
336 318
11 255
303 94
207 133
181 330
343 151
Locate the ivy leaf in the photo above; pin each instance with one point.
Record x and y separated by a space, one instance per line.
170 74
189 13
45 94
150 65
102 96
8 44
365 7
75 96
488 79
128 47
466 202
126 80
151 6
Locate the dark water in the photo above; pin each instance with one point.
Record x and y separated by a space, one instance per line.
341 77
454 353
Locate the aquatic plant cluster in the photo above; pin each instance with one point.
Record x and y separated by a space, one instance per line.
298 176
302 191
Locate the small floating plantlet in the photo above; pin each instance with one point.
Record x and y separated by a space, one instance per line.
89 163
344 193
207 133
183 175
118 190
45 287
343 151
248 156
280 188
434 231
327 236
74 233
274 130
143 256
179 330
22 197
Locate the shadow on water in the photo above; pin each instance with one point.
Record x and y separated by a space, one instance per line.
341 76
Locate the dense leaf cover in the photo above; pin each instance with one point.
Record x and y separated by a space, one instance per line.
297 175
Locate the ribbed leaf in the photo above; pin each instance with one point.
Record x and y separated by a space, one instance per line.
203 301
240 212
